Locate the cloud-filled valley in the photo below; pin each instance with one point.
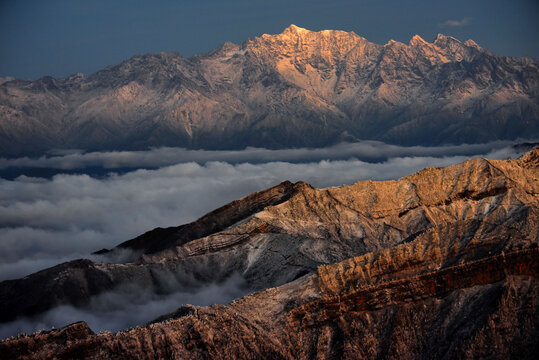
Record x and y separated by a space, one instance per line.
47 221
129 306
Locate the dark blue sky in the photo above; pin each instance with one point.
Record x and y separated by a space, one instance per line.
62 37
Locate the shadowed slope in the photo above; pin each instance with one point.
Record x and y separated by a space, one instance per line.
484 308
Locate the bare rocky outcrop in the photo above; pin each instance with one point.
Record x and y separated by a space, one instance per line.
161 239
439 264
297 88
484 308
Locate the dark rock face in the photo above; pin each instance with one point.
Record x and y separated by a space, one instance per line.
72 282
161 239
298 88
440 264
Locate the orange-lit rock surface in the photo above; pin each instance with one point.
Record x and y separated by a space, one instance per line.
440 264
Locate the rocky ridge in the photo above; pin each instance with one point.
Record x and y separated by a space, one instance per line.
461 311
297 88
439 264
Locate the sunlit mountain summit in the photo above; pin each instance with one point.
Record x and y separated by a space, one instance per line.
297 88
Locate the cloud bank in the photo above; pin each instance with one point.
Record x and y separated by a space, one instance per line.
366 150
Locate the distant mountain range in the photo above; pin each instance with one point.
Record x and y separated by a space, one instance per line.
297 88
442 264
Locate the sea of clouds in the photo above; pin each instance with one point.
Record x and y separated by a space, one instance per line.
47 221
128 306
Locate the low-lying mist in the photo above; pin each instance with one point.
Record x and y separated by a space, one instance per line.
369 151
129 306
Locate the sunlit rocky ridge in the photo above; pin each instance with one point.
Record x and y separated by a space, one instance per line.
439 263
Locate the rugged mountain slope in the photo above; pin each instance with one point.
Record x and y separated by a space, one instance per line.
298 88
402 303
435 219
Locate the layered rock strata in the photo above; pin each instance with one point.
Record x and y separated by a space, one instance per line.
439 264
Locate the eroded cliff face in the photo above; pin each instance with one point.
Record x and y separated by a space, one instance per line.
280 234
297 88
439 264
485 308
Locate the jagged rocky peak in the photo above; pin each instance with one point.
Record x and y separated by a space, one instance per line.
332 47
443 44
227 49
294 40
294 32
417 40
295 29
457 49
472 43
329 82
442 39
302 37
